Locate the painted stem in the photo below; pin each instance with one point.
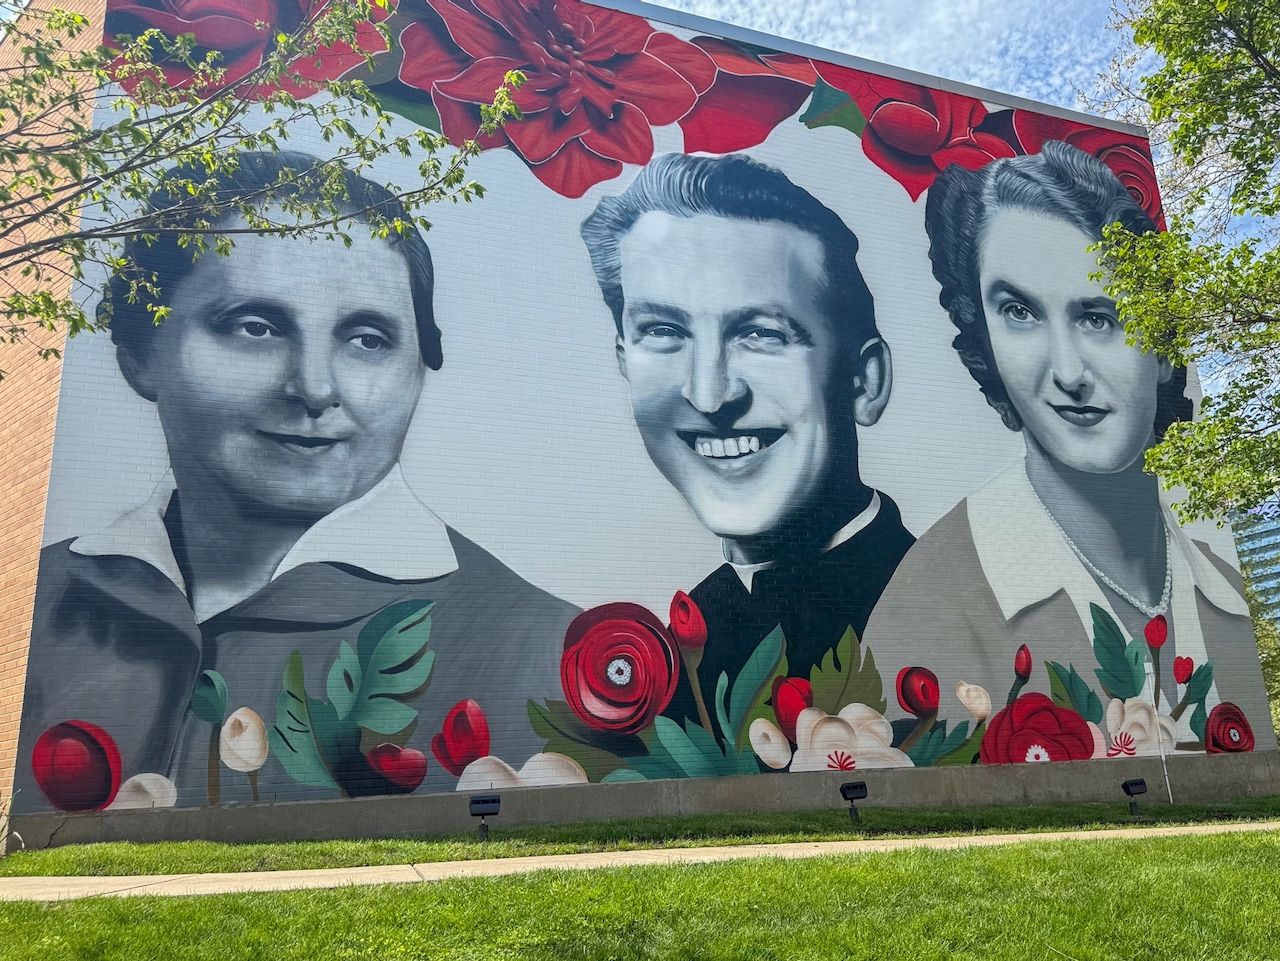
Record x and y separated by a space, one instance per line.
1155 666
691 661
1018 685
1181 708
923 724
215 787
253 784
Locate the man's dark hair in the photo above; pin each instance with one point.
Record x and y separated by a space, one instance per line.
740 188
254 180
1061 181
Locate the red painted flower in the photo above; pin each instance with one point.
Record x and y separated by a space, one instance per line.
403 767
918 691
1128 156
914 132
1183 668
619 668
463 738
791 695
598 81
1156 632
77 766
1033 728
841 761
1022 663
754 91
1227 731
243 31
1122 744
688 626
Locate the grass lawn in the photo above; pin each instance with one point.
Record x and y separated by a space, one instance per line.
1206 898
187 857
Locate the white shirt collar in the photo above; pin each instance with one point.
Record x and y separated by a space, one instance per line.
747 572
388 533
1026 560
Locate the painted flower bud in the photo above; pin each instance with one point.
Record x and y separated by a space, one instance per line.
688 626
1183 668
1157 632
918 691
1022 663
463 738
791 695
243 741
975 699
77 766
770 744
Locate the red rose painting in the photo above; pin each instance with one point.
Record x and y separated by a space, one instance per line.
243 31
1227 731
77 766
619 667
913 132
463 738
598 81
688 626
918 691
1032 729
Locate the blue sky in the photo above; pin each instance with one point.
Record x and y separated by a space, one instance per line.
1033 48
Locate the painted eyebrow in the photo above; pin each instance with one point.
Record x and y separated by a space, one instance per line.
1094 303
373 318
774 312
221 310
1004 287
665 311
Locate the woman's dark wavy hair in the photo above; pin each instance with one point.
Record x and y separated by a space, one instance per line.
132 325
1060 181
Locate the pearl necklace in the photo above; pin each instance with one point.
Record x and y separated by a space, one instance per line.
1161 606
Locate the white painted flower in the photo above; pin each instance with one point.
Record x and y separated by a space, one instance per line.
145 791
975 699
769 743
243 741
1132 725
857 738
542 770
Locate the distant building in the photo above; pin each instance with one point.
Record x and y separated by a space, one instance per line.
1258 543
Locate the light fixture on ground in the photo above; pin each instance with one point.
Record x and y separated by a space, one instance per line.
853 791
1132 788
484 806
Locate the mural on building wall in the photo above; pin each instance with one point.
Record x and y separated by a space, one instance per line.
286 618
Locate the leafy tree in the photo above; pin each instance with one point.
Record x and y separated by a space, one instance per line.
1205 74
78 154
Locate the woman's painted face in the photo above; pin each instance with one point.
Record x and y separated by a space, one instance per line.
1086 397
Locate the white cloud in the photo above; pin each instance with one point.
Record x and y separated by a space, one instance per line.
1029 48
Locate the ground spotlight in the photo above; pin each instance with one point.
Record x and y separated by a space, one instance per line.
853 791
1132 788
484 806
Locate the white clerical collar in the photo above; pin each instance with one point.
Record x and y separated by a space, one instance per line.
388 533
1026 560
747 572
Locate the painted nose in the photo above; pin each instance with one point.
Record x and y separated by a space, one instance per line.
1071 374
311 382
709 383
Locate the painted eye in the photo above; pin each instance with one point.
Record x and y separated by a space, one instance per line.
661 330
1097 322
765 335
256 329
370 342
1017 312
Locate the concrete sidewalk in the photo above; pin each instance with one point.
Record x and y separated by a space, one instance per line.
177 885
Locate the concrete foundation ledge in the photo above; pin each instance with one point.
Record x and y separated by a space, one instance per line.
1193 779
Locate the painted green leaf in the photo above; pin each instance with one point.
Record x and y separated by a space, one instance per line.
760 706
1121 667
621 775
344 680
1200 683
395 663
293 739
681 749
709 748
1068 688
847 675
938 743
722 707
1199 718
209 699
599 754
754 677
967 751
829 107
419 110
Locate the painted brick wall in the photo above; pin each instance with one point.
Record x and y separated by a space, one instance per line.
28 410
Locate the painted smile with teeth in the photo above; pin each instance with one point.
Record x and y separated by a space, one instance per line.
732 446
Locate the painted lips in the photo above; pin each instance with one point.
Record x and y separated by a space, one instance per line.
1080 416
300 442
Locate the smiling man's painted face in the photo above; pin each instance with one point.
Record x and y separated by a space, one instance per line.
279 382
1086 397
734 368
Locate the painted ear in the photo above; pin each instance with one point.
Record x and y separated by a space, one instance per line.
620 349
137 372
874 380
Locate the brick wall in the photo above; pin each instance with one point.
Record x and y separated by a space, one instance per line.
28 411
